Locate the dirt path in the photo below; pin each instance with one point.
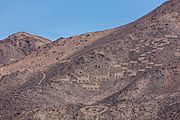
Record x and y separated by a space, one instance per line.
44 76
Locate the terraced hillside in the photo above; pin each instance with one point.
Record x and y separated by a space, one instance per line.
126 73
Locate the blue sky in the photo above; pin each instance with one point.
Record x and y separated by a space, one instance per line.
63 18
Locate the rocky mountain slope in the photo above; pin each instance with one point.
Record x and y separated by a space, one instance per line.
126 73
19 45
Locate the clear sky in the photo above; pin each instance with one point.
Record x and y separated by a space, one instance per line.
63 18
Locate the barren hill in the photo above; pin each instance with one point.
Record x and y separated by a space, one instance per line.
130 72
19 45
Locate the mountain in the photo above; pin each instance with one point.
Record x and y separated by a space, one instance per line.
130 72
19 45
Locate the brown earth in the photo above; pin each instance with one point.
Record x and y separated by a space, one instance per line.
18 45
126 73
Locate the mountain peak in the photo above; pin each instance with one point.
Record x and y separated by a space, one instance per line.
19 35
26 36
19 45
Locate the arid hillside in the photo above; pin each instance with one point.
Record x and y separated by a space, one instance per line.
19 45
130 72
